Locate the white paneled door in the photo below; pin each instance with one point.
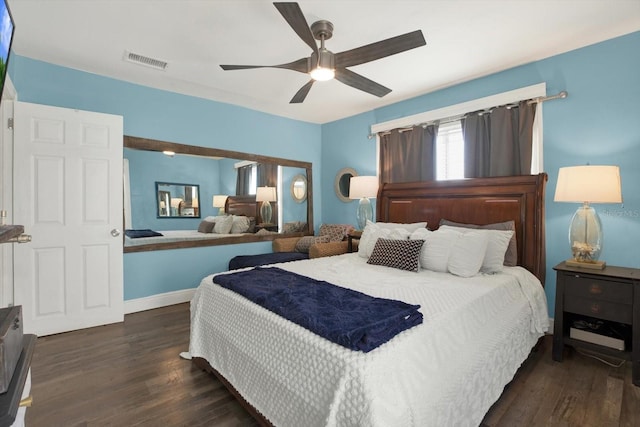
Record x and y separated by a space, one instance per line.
68 195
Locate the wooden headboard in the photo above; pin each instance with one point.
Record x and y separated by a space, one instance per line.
475 201
242 205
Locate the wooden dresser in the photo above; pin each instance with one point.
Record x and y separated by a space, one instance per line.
611 297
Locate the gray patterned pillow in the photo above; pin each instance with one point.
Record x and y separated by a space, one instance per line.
206 227
336 232
401 254
305 242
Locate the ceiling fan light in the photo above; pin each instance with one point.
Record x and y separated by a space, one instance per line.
322 74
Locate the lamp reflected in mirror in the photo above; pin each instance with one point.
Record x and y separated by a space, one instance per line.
219 200
587 184
266 195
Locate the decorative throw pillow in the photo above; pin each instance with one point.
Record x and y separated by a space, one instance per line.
401 254
467 253
252 224
498 241
409 227
336 232
206 226
305 242
240 224
372 232
294 227
511 255
437 249
223 224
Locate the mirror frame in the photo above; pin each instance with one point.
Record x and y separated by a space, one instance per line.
297 178
159 199
137 143
336 185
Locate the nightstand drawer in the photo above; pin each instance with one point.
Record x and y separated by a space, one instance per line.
602 290
605 310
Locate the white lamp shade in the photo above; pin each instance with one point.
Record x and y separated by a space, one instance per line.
590 183
266 194
175 202
219 201
363 186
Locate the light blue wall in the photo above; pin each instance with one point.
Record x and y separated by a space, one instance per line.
167 116
148 167
596 124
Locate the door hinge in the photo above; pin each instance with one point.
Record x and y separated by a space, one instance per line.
10 123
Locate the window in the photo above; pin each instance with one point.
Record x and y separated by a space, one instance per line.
450 151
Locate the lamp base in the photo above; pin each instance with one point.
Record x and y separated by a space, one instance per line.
592 265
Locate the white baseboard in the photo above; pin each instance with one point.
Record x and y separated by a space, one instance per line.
157 301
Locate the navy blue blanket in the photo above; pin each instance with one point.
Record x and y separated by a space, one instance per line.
135 234
343 316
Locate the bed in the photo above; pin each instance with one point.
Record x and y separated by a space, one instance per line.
446 371
239 206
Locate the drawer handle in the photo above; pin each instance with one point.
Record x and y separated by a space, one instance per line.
595 308
595 289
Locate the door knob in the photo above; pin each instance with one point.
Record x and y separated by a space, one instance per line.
115 232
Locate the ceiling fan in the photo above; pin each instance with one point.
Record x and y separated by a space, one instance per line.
325 65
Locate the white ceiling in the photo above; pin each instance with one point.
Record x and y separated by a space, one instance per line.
465 40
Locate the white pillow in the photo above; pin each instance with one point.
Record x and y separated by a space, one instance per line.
409 227
372 232
437 249
210 219
240 224
223 224
467 253
498 242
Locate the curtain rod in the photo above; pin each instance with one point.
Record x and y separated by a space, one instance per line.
563 94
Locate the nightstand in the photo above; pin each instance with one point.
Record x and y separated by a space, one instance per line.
266 226
611 295
351 236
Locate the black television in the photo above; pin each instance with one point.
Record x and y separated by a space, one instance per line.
7 28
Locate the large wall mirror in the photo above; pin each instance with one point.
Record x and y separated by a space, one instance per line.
161 201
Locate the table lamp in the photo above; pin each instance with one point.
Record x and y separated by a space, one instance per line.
363 187
219 200
266 195
587 184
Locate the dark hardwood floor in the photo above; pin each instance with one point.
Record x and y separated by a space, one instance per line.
129 374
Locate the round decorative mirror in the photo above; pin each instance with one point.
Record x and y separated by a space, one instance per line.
343 178
299 188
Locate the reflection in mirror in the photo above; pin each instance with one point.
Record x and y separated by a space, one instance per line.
299 188
212 172
341 185
178 200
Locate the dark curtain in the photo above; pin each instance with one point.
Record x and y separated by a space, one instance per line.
408 155
499 142
243 180
267 175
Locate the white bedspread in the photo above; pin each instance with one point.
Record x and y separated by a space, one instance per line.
447 371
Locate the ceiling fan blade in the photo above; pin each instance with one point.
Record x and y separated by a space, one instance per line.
352 79
292 13
301 65
380 49
302 93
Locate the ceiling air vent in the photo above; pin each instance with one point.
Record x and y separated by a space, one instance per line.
145 60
